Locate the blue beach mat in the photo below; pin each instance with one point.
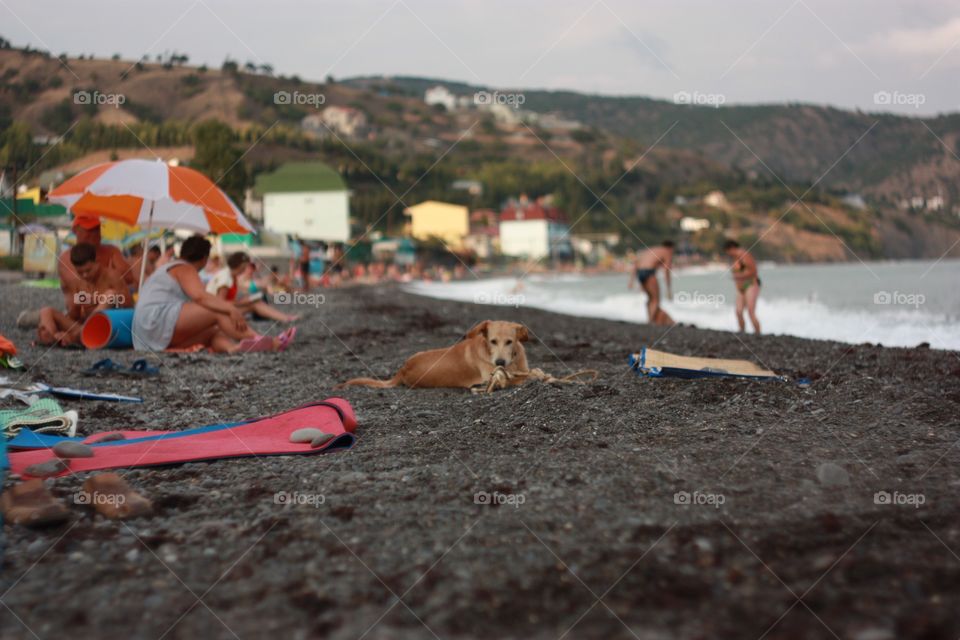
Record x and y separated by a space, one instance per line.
28 439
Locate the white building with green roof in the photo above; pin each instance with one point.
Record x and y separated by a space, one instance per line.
305 199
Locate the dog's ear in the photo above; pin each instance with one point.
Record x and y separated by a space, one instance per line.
480 329
523 334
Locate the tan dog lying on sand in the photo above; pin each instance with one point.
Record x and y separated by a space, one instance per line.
470 362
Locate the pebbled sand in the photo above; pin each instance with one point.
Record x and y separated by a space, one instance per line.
387 541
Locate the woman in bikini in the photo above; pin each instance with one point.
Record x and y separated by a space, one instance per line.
747 281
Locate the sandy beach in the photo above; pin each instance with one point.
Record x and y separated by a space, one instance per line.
577 531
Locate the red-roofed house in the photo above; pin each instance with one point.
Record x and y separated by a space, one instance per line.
534 229
484 236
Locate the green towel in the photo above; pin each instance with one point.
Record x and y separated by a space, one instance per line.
46 283
45 415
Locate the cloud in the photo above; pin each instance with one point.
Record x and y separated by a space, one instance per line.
929 41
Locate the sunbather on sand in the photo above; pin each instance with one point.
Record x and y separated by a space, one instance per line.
175 311
225 285
214 265
136 260
94 288
747 280
647 263
87 231
168 256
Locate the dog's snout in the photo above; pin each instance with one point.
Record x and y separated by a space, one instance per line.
500 362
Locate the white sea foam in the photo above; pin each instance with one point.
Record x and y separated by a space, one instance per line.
706 300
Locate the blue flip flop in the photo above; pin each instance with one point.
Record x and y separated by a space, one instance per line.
142 368
108 367
103 367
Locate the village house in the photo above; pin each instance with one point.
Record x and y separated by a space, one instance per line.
308 200
343 121
534 229
484 237
443 221
440 95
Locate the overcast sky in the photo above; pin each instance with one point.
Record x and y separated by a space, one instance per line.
737 51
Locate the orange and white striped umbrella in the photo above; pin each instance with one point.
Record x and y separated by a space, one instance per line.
151 194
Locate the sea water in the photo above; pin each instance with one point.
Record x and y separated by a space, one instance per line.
892 303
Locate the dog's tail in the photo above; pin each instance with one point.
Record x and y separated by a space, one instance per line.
369 382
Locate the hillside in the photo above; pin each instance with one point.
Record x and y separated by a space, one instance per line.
408 145
897 156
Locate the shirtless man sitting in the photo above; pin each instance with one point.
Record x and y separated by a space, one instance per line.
647 264
94 288
87 231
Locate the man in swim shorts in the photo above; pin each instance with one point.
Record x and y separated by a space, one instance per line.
745 277
646 266
93 288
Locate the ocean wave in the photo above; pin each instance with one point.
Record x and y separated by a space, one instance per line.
803 317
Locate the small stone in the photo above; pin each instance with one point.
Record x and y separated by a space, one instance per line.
321 440
167 553
832 475
132 555
873 633
110 437
70 449
911 458
37 547
305 435
51 467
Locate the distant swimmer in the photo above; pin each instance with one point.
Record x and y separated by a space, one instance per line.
647 263
745 277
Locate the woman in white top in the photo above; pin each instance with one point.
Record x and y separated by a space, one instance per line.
174 310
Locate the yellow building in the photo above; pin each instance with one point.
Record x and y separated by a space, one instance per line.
432 219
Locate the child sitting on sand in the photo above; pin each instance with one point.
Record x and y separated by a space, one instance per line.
226 284
94 288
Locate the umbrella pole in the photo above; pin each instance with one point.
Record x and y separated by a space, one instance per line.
143 254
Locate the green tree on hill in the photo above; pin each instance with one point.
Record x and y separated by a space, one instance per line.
217 156
17 148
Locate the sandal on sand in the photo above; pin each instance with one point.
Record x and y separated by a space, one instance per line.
256 345
113 498
102 367
142 368
31 504
108 366
286 338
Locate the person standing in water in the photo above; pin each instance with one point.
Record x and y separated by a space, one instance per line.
747 281
647 263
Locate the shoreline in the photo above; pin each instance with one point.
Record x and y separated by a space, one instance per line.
702 300
599 468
